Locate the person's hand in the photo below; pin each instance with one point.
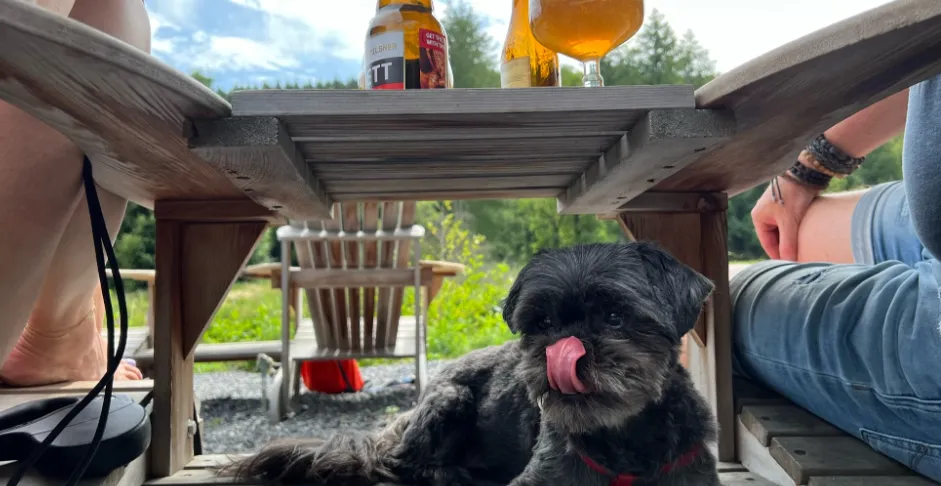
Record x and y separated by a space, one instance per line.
776 224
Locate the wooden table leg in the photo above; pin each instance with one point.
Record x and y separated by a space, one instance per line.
699 239
197 262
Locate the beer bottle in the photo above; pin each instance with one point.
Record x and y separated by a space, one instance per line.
525 62
406 47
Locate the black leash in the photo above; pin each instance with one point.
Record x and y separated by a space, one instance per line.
102 246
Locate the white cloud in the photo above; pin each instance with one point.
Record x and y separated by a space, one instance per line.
237 53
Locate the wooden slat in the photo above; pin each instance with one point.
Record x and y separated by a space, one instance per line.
340 278
351 259
507 147
663 143
457 105
120 386
218 352
555 182
766 422
389 222
259 156
370 260
743 479
672 202
409 168
306 348
403 259
124 108
787 96
804 457
215 211
408 193
333 259
870 481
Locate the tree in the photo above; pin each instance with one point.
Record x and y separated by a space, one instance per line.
471 50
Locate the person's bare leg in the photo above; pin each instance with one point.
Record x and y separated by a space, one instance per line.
62 341
824 234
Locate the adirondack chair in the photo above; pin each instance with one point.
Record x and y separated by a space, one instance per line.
354 270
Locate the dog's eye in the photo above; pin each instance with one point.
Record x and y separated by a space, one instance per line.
614 319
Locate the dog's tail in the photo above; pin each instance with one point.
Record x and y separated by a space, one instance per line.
363 460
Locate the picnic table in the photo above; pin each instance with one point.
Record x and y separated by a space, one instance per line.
662 160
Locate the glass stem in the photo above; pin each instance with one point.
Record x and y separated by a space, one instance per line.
592 77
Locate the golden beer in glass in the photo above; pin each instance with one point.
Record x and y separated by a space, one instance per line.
585 30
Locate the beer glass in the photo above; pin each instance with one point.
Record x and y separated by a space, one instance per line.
585 30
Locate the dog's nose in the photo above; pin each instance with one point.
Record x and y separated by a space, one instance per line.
561 362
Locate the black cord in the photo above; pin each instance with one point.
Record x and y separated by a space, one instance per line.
101 239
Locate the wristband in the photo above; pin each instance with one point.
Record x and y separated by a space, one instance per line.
829 159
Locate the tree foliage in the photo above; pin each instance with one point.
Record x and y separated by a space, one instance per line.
512 230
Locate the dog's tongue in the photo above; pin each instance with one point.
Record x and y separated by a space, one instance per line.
561 359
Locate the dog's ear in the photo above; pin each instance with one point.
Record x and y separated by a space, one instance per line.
509 303
687 288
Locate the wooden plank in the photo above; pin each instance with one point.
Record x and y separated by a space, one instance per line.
770 421
214 255
408 193
198 477
120 386
219 352
506 147
216 211
209 461
870 481
444 184
743 479
672 202
304 347
787 96
757 458
715 359
805 457
413 167
658 146
133 474
260 157
457 104
124 108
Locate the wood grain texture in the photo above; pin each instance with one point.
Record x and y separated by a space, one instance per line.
408 168
171 446
259 156
766 422
212 260
743 479
661 144
805 457
341 187
787 96
457 104
127 110
215 211
870 481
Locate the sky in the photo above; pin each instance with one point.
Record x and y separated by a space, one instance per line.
253 41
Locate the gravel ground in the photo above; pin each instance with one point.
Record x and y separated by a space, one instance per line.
234 420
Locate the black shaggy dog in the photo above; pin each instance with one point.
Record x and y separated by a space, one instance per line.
591 394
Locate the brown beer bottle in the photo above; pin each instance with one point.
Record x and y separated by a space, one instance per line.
525 62
406 47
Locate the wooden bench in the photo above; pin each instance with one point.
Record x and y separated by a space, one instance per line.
662 160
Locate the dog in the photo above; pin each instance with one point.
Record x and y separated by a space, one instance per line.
591 394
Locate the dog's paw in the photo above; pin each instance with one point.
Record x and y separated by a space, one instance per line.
443 476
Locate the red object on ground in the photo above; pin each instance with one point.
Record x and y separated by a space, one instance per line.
332 376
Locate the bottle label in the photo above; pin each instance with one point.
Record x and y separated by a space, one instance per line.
385 61
516 74
433 59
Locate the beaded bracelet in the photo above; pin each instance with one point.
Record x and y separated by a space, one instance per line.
831 158
808 176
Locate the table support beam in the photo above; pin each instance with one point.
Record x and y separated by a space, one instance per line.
699 239
197 262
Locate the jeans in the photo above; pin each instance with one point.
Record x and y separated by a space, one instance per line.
859 345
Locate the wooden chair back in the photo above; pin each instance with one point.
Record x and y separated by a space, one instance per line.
364 314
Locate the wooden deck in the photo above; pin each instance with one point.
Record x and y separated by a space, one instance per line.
791 447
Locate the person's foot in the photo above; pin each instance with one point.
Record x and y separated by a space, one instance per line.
78 353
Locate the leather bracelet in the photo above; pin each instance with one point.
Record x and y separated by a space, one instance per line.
831 157
808 176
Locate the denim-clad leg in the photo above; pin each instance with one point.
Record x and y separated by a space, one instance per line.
860 345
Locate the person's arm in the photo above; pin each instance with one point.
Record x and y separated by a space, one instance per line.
871 127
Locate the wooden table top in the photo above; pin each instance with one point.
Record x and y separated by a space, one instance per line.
155 133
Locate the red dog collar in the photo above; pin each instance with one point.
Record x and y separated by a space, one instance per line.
628 479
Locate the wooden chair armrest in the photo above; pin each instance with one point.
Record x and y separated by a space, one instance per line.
439 267
140 275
